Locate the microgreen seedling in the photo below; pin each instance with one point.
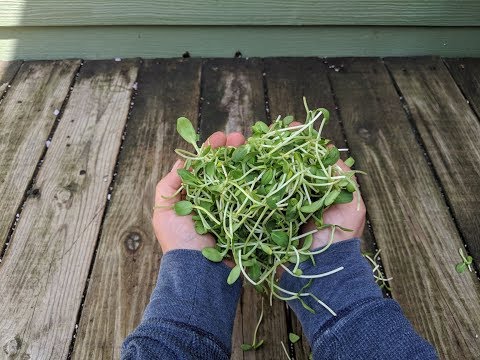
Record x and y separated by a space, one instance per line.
254 345
254 198
378 275
465 264
293 337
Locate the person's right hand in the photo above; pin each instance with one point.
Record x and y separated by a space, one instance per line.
178 232
345 215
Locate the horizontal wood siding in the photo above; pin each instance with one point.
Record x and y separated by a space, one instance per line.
224 41
246 12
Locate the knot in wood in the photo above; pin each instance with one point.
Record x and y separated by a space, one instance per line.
11 347
63 195
133 241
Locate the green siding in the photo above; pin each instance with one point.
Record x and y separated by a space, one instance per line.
169 41
93 29
245 12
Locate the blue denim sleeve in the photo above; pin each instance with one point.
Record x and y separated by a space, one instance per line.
366 325
190 314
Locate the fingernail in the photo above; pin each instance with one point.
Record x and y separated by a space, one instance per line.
177 164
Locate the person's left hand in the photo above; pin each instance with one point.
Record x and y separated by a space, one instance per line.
178 232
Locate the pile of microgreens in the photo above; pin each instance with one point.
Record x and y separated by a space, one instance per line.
254 198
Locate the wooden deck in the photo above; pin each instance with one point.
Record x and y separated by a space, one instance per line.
82 145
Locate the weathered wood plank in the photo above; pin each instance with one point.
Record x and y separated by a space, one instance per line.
451 133
466 73
288 80
127 261
26 119
233 100
410 219
44 271
8 69
248 12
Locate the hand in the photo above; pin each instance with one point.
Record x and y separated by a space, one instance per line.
178 232
345 215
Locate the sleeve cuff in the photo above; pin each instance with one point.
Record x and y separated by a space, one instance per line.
193 290
338 291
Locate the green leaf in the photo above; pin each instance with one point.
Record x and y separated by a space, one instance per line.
210 169
311 208
234 275
205 149
287 120
349 162
331 157
267 177
330 198
254 271
304 304
461 267
240 153
298 271
351 187
212 254
260 128
186 130
183 207
307 242
325 113
246 347
187 177
469 260
291 212
344 197
272 202
236 174
280 238
199 228
266 249
293 338
252 176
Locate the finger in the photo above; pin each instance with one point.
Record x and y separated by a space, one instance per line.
217 139
295 123
235 139
168 186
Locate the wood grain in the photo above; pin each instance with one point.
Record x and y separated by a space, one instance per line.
288 80
127 261
466 73
26 119
233 100
248 12
451 133
409 216
8 69
88 42
44 271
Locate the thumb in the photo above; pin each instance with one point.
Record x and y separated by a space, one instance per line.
166 191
